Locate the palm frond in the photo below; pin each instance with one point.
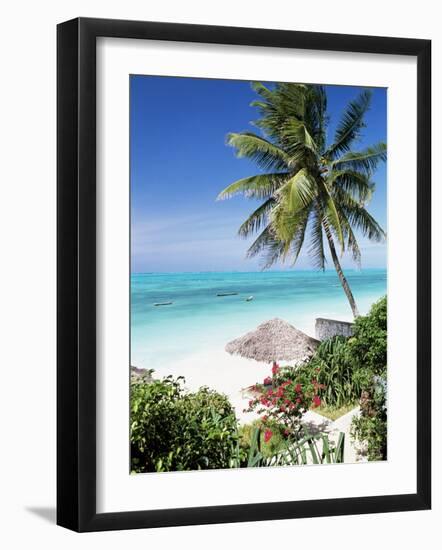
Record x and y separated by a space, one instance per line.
262 90
316 244
298 192
349 236
350 125
329 211
357 184
265 153
256 219
295 133
284 103
258 187
267 243
365 161
315 117
359 218
298 236
352 244
289 227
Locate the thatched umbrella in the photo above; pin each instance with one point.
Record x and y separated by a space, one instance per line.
274 340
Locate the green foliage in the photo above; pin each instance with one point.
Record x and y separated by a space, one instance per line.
346 366
356 369
175 430
369 343
268 448
371 426
310 449
334 368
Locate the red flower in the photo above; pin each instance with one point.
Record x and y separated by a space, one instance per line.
275 368
316 400
264 419
267 381
268 435
298 388
286 433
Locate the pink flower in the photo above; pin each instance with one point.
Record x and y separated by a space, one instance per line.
268 435
264 419
267 381
316 400
275 368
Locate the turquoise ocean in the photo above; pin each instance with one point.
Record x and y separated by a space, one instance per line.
200 321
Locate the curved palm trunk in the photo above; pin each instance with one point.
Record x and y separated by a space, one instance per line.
340 273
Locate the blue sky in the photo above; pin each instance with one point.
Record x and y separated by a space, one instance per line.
179 163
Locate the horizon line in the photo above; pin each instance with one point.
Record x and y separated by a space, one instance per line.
259 271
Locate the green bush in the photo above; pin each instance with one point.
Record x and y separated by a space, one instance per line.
346 366
334 368
355 369
371 426
368 346
172 429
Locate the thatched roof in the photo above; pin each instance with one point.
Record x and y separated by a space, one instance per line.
274 340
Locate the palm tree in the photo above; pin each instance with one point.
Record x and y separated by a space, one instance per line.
310 190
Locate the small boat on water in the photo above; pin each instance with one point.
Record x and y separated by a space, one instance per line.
250 298
163 304
227 293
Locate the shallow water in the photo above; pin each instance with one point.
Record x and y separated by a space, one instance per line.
199 320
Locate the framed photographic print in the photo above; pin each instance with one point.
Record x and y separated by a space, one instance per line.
243 274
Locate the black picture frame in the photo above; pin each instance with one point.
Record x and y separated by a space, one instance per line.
76 274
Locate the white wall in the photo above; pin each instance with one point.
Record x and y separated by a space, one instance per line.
27 285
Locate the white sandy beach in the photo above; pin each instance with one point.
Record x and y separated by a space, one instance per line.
222 372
